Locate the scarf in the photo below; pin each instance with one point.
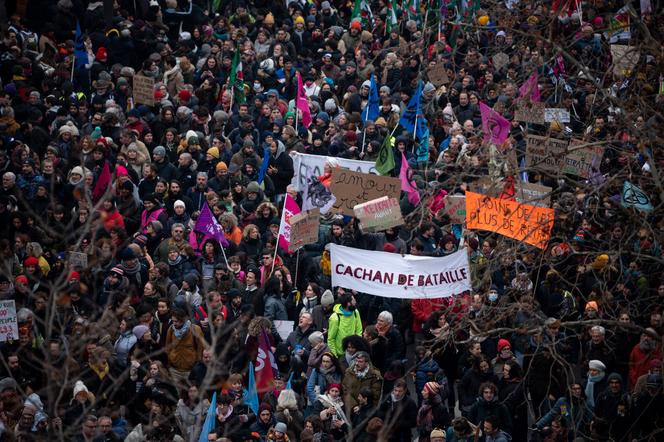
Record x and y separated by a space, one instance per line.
338 404
590 388
425 414
361 374
102 371
180 332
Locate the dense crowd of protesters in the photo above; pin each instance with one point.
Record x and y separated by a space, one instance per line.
129 320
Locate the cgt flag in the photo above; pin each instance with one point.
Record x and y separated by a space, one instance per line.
290 208
301 103
266 365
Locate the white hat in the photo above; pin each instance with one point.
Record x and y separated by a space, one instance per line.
366 83
596 365
179 203
80 387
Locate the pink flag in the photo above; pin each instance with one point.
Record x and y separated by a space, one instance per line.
103 182
207 224
266 365
290 209
529 89
496 128
408 185
301 102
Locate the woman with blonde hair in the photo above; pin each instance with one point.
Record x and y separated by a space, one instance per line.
251 244
289 413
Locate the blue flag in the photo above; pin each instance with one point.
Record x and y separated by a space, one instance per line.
413 121
80 54
263 170
289 384
251 399
372 109
210 419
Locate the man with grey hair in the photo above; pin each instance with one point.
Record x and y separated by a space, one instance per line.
385 327
9 185
177 239
597 349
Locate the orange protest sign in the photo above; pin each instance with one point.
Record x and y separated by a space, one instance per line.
523 222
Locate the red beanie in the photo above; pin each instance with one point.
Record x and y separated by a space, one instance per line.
31 261
184 95
388 247
21 279
74 276
502 343
158 95
101 54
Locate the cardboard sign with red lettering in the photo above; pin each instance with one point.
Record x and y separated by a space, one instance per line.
379 214
455 208
353 188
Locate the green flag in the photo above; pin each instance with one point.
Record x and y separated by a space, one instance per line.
236 78
385 161
391 21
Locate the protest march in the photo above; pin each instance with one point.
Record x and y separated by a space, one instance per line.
326 220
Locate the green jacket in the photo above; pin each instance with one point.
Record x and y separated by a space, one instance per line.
340 326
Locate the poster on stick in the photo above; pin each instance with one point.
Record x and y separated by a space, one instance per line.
143 88
379 214
455 208
523 222
395 276
304 229
353 188
311 166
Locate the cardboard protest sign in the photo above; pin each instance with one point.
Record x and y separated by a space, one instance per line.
500 60
583 159
143 88
438 75
284 328
379 214
78 259
522 222
395 276
312 166
303 229
556 114
8 322
455 208
530 112
528 193
353 188
546 154
535 194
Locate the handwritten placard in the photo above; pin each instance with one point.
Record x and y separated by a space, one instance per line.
353 188
304 229
78 260
523 222
500 60
8 322
583 159
143 88
438 75
455 208
545 154
379 214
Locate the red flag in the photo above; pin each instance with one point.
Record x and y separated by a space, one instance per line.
290 208
301 102
266 366
509 191
103 183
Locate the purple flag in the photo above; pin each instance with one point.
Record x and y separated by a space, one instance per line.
207 224
496 128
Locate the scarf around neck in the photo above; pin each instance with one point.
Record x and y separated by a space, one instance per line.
590 388
179 333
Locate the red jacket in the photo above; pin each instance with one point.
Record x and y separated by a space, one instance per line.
639 363
422 309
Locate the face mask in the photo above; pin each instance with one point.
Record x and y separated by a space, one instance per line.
493 297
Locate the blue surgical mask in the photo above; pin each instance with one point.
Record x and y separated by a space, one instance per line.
493 297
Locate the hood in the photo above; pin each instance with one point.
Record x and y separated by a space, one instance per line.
337 309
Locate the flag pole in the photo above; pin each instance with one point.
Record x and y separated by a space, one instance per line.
73 66
364 137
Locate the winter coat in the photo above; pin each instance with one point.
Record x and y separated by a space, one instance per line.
353 384
320 380
275 308
399 416
342 324
481 409
190 419
183 353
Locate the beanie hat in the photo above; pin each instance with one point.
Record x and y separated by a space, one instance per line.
80 387
331 386
253 187
192 140
117 270
221 166
269 19
159 150
74 276
184 95
591 305
502 343
596 365
389 248
327 299
31 261
214 152
101 54
316 337
654 380
355 24
432 387
600 262
140 330
615 377
437 432
179 203
21 279
299 20
264 406
281 427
